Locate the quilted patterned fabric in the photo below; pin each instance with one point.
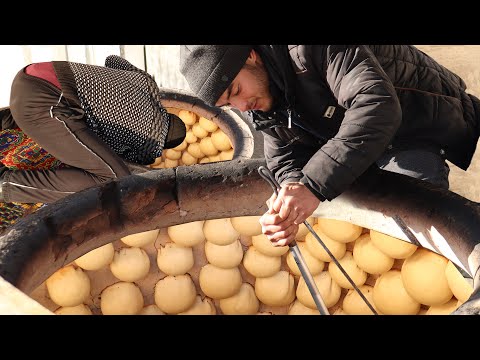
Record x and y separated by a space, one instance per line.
19 152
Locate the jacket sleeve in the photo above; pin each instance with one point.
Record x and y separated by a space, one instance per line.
373 115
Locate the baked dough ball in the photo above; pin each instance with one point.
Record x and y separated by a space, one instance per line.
175 294
264 245
244 302
390 296
130 264
121 298
338 230
68 286
276 290
174 259
188 117
208 125
226 155
151 310
443 309
314 265
201 307
353 304
460 287
81 309
393 247
423 275
369 258
172 154
220 231
224 256
188 159
219 283
303 230
329 290
198 131
338 249
221 140
247 225
188 234
141 239
194 150
207 147
297 308
97 258
348 263
260 265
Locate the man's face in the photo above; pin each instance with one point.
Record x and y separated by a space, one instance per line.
249 90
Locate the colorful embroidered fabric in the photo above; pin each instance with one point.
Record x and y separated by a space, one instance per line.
19 152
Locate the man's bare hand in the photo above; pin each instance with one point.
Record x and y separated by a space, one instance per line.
277 230
295 203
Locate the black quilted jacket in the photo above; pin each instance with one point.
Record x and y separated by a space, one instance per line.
349 104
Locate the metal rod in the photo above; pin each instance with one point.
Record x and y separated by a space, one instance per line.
297 255
267 175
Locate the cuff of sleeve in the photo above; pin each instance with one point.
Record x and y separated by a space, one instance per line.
317 194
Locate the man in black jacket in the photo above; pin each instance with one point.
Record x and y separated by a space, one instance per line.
329 112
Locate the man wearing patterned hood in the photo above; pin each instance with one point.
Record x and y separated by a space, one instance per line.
93 119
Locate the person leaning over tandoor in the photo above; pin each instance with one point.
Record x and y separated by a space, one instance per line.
92 118
329 112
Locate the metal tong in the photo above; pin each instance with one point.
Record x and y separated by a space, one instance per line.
267 175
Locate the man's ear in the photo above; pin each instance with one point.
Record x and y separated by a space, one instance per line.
253 58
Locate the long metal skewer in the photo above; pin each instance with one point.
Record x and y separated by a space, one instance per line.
297 255
268 176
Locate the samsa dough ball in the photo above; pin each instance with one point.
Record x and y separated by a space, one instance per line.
81 309
151 310
174 259
303 230
329 290
339 230
97 258
390 296
122 298
260 265
276 290
357 275
130 264
188 234
369 258
220 231
68 286
188 117
338 249
264 245
175 294
247 225
141 239
297 308
201 307
460 287
443 309
393 247
220 140
314 265
353 304
224 256
244 302
208 125
207 147
423 275
219 283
